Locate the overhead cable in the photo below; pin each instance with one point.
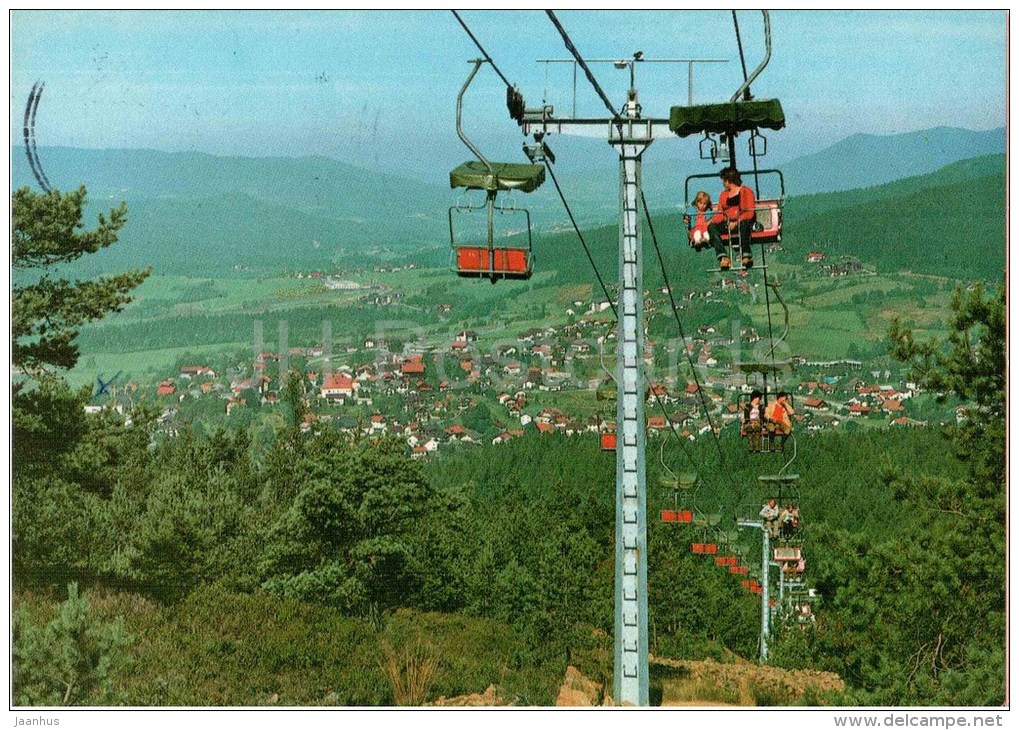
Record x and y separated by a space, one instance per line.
580 61
481 48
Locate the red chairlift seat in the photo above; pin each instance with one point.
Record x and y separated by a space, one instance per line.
608 441
502 263
682 516
710 548
697 547
767 223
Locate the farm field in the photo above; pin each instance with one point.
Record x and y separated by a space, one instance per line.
176 315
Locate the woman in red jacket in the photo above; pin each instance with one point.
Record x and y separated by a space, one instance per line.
736 212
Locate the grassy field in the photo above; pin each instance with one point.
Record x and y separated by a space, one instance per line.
838 295
826 315
143 366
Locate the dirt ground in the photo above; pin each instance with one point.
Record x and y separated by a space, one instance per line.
706 683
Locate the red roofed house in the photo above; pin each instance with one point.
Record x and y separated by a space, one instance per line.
338 386
413 366
166 387
815 257
455 432
656 423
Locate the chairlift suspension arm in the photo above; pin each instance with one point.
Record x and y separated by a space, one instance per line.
742 59
459 122
764 62
785 317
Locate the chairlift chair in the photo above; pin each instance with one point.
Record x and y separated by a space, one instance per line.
608 437
490 261
682 484
767 226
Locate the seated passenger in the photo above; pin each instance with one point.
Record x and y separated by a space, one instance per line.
753 420
769 515
789 519
735 217
699 231
779 418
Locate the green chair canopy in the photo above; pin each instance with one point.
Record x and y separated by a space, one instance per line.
474 175
737 116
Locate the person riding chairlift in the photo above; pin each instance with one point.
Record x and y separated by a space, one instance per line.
769 516
779 417
736 213
753 421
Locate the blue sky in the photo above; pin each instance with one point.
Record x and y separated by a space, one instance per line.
379 87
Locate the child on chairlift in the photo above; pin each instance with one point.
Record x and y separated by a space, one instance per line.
699 231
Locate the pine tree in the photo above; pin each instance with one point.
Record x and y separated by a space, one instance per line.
50 520
45 314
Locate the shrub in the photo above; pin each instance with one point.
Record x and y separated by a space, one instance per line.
72 660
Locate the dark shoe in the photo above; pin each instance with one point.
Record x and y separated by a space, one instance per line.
747 262
724 263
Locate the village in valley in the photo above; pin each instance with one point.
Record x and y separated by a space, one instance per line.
444 388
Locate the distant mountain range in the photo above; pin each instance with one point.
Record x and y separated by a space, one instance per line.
189 211
864 160
193 212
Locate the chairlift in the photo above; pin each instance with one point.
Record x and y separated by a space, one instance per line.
728 120
684 484
768 434
767 226
786 554
490 261
606 392
608 437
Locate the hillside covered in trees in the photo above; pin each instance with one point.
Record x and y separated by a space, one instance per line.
510 545
302 568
